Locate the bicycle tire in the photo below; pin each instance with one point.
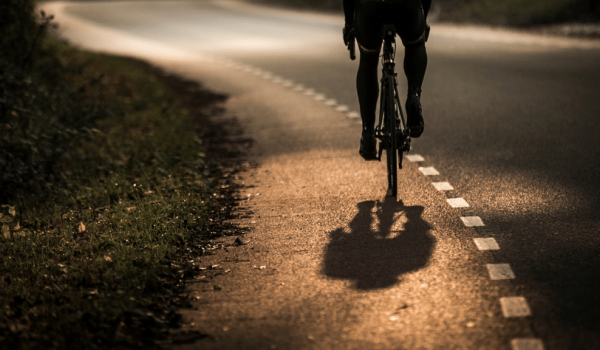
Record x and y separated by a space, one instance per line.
392 151
400 127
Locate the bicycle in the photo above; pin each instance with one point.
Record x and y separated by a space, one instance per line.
391 130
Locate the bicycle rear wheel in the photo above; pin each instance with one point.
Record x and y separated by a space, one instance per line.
392 150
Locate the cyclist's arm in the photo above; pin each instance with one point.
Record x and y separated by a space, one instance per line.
426 6
349 11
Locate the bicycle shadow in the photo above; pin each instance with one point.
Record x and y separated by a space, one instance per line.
375 256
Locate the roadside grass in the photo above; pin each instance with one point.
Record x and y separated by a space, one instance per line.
97 254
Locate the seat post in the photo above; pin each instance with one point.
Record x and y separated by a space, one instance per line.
389 38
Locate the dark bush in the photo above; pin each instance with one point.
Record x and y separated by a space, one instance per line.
39 113
518 12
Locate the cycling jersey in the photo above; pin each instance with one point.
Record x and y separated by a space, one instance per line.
350 6
368 16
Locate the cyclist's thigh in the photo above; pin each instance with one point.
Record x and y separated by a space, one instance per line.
408 19
407 16
368 26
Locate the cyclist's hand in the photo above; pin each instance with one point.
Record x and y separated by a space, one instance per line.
348 34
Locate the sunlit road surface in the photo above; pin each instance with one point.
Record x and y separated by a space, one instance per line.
511 131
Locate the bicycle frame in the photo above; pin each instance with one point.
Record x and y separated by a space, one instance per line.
391 130
389 92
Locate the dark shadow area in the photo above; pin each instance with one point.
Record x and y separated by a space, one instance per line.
375 257
561 276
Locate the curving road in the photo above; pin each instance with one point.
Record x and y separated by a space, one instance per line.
511 125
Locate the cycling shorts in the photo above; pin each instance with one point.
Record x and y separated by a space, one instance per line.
406 15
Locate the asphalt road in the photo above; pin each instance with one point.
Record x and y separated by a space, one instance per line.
510 123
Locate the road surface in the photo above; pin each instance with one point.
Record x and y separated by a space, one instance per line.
511 136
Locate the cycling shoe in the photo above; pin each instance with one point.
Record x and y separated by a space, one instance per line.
414 113
368 146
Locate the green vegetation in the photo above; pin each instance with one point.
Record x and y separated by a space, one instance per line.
107 197
517 12
327 5
507 12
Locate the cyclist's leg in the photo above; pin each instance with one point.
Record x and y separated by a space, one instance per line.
367 87
415 64
367 29
411 26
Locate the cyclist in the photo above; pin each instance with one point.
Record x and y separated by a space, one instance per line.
364 19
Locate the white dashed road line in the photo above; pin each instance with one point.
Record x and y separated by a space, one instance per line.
527 344
515 307
486 243
500 272
288 84
353 115
443 186
415 158
429 171
472 221
457 203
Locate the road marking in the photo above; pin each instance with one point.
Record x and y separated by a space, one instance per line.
486 243
527 344
429 171
415 158
472 221
500 272
443 186
319 97
342 108
353 115
515 307
331 102
457 202
290 84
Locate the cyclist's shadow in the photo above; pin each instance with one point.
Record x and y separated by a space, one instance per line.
375 257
